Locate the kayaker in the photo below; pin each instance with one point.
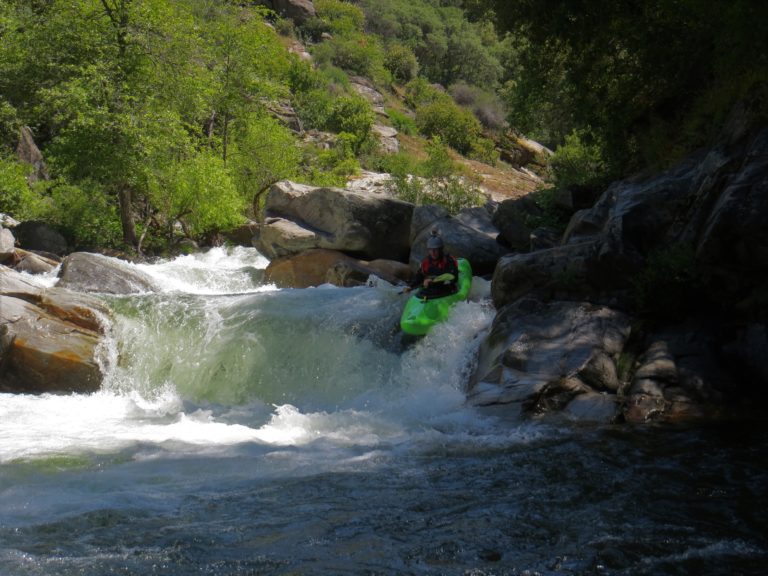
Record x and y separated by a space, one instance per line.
437 263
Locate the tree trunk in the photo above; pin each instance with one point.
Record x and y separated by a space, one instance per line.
126 216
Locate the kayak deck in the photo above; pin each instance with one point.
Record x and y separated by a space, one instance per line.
421 313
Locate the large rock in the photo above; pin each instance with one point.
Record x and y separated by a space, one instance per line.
43 354
7 245
50 339
545 274
540 357
319 266
28 152
88 272
469 235
35 235
715 202
362 224
297 10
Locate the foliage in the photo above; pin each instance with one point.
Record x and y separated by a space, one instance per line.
447 46
433 181
651 80
401 62
486 106
402 122
147 108
352 115
87 217
16 197
579 161
199 193
265 152
331 167
456 126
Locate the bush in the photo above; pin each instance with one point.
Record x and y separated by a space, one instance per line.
332 167
402 122
353 115
401 62
15 194
419 92
456 126
87 215
486 106
340 17
579 161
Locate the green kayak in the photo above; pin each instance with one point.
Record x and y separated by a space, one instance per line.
421 313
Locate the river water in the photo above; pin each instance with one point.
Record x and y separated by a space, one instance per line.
249 430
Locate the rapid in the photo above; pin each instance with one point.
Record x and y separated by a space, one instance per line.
245 429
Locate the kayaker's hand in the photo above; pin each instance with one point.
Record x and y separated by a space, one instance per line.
427 282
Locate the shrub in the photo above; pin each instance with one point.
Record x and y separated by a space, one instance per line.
15 193
579 161
402 122
484 150
419 92
87 215
456 126
333 167
401 62
353 115
340 17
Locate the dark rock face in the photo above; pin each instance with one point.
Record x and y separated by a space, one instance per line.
33 235
692 363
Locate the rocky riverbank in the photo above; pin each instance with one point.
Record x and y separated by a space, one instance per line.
651 306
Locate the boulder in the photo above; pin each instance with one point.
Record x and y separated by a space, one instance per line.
359 223
539 357
545 274
681 375
297 10
7 245
28 152
34 263
86 272
387 138
510 219
41 353
35 235
469 235
319 266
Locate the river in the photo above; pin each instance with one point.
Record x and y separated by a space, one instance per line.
244 429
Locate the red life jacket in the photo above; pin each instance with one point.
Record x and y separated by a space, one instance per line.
447 263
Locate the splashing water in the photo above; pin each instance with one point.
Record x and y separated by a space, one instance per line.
244 429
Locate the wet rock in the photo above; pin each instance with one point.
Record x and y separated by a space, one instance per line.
320 266
51 346
86 272
537 354
34 263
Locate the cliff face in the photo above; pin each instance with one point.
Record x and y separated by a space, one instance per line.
684 255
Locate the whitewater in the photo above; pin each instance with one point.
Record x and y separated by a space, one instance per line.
245 429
